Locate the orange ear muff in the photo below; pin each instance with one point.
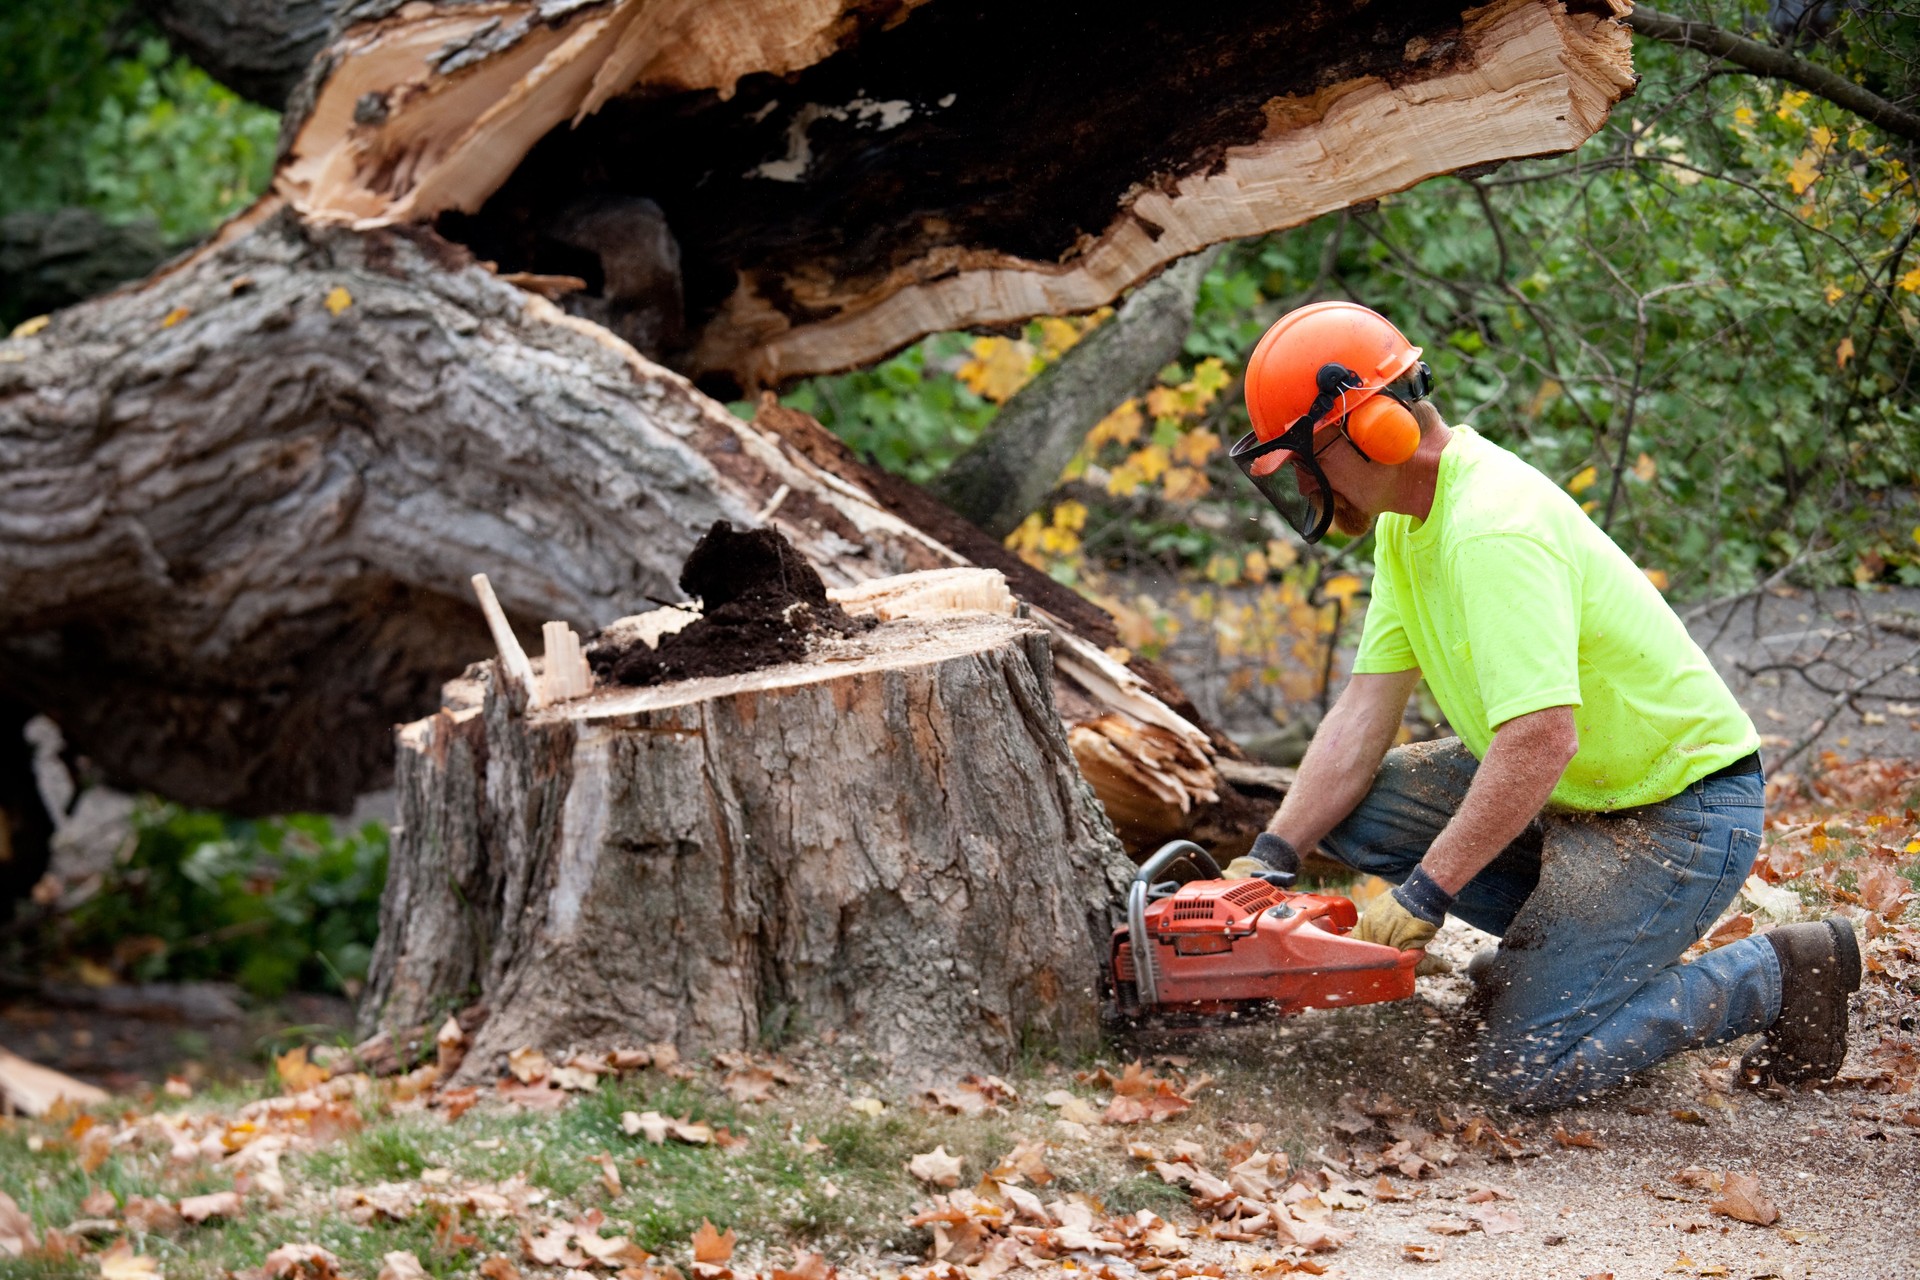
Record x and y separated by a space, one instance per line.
1384 431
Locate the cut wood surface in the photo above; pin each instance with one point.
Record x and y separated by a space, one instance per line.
889 840
831 180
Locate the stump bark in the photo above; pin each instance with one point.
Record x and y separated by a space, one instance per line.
890 840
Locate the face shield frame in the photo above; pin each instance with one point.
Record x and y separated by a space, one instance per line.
1310 513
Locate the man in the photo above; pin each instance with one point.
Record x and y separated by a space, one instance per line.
1602 804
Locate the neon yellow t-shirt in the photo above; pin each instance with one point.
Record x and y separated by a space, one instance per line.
1509 599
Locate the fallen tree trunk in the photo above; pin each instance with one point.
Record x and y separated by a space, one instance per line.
889 839
242 498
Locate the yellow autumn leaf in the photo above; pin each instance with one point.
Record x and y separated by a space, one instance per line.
1823 137
1122 426
1000 367
1143 466
27 328
1590 505
1911 281
1210 378
1340 588
1256 566
338 299
1168 402
175 316
1844 352
1744 117
1281 555
1184 484
1070 515
1195 447
1584 480
1913 846
1645 468
1658 577
1834 292
1805 172
1790 103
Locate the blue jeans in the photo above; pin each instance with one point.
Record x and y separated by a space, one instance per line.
1593 911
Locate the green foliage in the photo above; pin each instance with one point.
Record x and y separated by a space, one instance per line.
909 414
273 904
100 113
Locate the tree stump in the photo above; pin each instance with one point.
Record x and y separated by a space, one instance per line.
888 840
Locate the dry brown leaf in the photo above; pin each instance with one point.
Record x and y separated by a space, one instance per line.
297 1075
624 1060
402 1265
1883 890
121 1263
1026 1160
299 1261
1740 1197
750 1084
450 1046
221 1204
499 1267
609 1173
99 1204
1423 1252
709 1245
17 1237
1732 929
1584 1138
1496 1221
1448 1226
936 1167
806 1266
528 1064
150 1214
1697 1178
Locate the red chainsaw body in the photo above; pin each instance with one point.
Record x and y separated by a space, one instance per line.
1219 946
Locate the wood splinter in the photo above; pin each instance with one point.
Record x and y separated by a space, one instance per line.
512 656
564 672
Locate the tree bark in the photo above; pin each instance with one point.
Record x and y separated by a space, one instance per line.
257 48
842 178
890 839
242 498
1016 463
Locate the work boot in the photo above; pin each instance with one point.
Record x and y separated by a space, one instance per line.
1819 967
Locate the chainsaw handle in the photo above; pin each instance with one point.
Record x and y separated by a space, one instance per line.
1177 851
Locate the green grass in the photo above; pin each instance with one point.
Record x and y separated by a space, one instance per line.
813 1173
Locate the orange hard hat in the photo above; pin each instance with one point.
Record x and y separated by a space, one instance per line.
1327 365
1282 374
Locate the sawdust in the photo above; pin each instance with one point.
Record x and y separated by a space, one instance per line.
761 605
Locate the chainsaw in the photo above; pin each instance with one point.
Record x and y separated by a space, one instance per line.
1209 947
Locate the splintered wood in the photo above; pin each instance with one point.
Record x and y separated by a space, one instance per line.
564 673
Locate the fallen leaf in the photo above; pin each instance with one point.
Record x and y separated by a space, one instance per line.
175 316
1883 890
810 1266
300 1262
573 1079
936 1167
297 1075
221 1204
1448 1226
122 1263
752 1084
17 1237
499 1267
528 1064
1741 1198
1423 1252
338 299
401 1265
609 1175
1584 1138
150 1214
1496 1221
868 1106
709 1245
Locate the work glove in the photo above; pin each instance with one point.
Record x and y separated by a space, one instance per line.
1406 918
1273 859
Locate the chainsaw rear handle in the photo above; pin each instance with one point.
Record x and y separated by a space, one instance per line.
1146 977
1178 851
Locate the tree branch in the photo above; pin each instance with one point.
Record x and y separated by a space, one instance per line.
1777 63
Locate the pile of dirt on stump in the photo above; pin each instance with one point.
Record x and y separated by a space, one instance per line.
760 602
